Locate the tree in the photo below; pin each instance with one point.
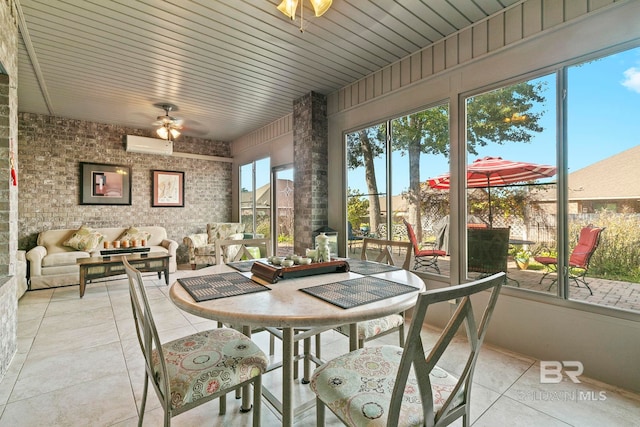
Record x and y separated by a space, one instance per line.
363 147
500 116
424 132
357 207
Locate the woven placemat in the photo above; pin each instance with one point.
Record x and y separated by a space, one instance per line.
354 292
242 266
369 267
214 286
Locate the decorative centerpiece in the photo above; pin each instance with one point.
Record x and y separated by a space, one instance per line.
323 251
266 273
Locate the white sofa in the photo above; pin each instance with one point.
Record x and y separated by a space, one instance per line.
52 264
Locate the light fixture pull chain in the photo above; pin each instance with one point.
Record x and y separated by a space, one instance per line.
302 16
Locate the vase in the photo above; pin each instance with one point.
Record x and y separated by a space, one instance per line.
522 263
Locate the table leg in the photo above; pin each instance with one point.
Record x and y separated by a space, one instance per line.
353 336
83 280
287 377
166 273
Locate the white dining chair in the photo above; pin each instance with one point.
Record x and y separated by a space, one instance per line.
193 369
395 386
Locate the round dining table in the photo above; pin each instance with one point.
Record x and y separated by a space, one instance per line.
286 307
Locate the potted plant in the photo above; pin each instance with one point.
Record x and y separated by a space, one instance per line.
522 257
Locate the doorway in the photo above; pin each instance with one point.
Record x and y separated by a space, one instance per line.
283 197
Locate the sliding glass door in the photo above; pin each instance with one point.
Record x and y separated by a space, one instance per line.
283 210
255 197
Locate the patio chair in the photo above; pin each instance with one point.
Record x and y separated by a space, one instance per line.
352 238
376 328
578 260
197 368
488 250
395 386
423 258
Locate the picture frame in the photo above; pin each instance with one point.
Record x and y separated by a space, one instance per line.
105 184
167 189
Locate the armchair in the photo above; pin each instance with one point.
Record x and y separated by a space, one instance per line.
201 247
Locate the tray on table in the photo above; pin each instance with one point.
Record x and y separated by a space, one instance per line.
273 273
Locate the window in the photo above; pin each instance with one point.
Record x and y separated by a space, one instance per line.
603 179
511 178
599 187
387 169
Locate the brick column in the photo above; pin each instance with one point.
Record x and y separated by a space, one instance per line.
310 142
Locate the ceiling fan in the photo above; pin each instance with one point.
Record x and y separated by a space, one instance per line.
169 126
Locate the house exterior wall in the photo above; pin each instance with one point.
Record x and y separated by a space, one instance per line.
51 149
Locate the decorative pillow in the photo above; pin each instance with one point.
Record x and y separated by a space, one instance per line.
84 239
133 233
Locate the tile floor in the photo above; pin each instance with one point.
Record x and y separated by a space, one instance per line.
79 364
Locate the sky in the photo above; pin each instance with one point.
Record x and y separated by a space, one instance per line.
603 119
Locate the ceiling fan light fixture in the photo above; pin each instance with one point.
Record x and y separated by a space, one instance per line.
163 132
320 6
288 7
168 125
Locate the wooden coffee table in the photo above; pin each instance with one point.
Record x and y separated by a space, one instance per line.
105 266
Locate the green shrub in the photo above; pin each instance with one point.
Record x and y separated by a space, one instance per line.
264 227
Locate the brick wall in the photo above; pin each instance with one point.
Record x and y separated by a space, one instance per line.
51 148
310 142
8 193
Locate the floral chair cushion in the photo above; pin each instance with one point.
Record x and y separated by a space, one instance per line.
371 328
357 387
204 363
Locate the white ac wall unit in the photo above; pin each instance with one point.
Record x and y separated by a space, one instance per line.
141 144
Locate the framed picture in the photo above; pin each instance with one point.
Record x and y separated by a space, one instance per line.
102 184
168 189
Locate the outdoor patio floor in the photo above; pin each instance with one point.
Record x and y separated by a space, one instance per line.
609 293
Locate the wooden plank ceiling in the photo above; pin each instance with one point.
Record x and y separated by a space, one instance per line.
230 66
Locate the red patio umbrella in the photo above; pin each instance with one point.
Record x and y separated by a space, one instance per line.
494 171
